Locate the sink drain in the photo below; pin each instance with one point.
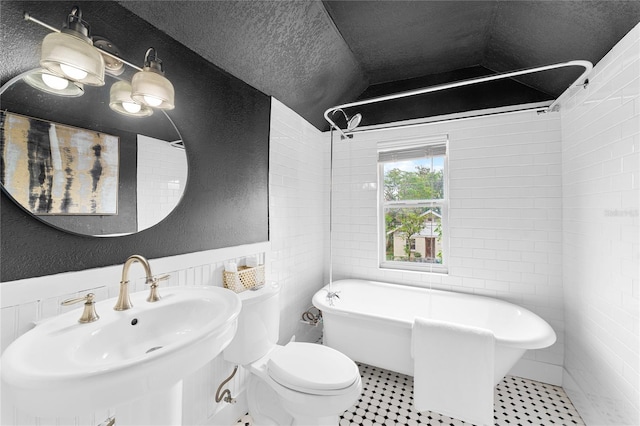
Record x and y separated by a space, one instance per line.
155 348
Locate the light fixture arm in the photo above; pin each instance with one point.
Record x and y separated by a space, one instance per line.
28 17
134 66
152 62
76 24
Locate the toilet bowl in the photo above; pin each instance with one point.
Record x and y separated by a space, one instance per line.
295 384
312 384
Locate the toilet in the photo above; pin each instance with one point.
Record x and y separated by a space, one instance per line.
295 384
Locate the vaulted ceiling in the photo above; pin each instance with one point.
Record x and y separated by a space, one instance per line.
312 55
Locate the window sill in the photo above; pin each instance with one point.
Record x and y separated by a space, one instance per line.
428 268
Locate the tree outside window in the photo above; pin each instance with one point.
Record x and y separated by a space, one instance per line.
412 200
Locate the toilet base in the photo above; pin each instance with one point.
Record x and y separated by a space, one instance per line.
264 404
268 408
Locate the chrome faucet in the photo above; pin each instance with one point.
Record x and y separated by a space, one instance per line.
124 301
331 296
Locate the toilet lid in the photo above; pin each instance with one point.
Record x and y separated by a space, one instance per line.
312 367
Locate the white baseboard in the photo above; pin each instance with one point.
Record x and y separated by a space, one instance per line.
597 406
579 399
538 371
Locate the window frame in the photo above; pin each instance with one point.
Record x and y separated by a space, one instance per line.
404 145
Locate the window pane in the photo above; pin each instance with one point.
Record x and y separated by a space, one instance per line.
415 179
413 234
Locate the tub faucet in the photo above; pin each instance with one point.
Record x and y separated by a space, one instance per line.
331 295
124 302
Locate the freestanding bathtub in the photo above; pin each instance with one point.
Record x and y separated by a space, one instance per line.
371 322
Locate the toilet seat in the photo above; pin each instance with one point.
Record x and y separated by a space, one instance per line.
312 369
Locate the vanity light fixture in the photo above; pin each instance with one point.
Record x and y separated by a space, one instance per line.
149 86
70 55
43 80
120 101
70 52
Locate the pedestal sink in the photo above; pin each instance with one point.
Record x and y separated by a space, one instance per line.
133 360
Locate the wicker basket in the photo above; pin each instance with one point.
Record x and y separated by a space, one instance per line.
244 279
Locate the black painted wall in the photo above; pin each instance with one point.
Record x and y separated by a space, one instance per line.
225 126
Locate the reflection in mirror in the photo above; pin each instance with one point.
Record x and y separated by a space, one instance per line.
76 164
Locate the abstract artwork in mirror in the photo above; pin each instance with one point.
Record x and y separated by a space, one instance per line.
55 169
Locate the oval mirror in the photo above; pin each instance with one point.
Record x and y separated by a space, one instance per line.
77 165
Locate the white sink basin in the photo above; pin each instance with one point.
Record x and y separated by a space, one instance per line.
62 367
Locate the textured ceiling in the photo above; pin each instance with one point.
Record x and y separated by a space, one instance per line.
312 55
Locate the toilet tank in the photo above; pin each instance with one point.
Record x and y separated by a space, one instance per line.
258 325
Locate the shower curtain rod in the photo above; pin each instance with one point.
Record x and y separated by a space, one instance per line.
586 64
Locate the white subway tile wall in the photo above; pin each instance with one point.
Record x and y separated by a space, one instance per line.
162 178
504 214
601 214
298 212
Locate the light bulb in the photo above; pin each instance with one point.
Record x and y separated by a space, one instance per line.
131 107
152 100
55 82
73 72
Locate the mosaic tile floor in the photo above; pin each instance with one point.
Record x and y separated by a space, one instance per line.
387 400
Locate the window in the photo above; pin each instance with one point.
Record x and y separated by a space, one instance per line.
412 182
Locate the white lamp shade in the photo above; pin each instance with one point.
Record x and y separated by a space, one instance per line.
152 89
70 56
120 101
36 79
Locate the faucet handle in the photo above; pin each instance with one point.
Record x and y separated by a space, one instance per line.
154 296
89 314
162 277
